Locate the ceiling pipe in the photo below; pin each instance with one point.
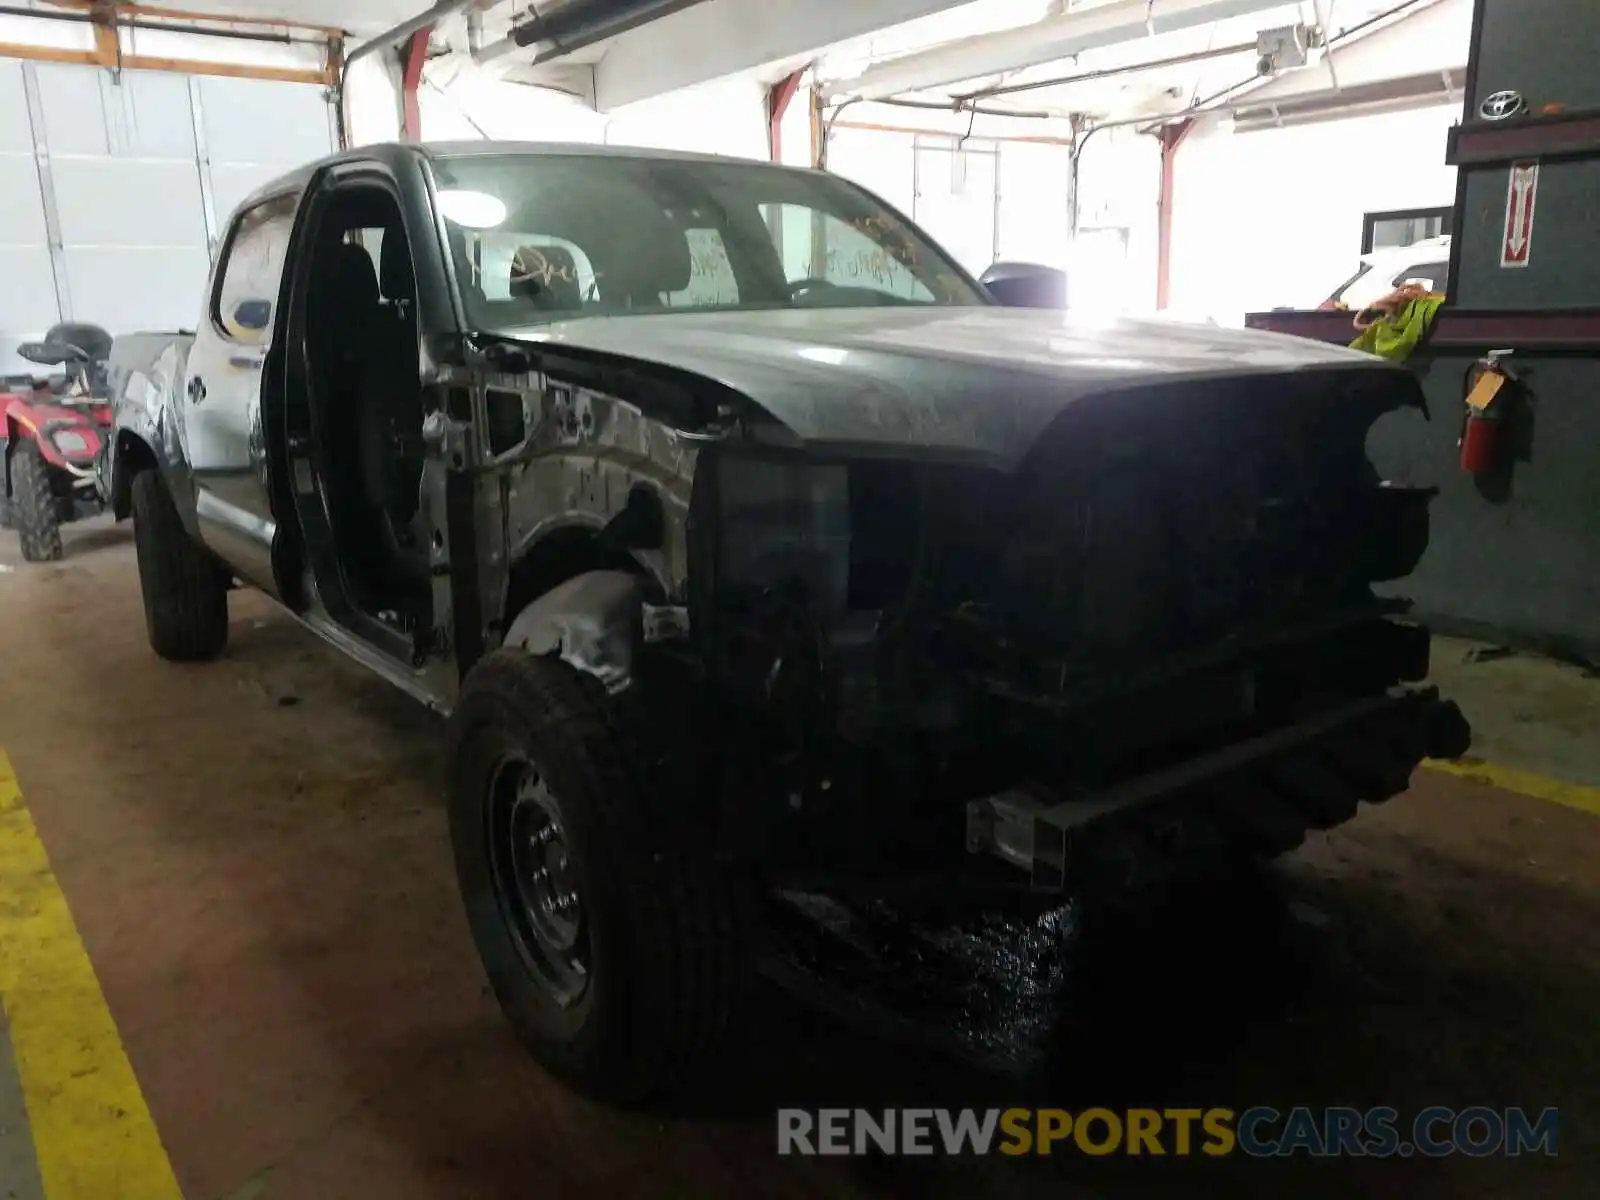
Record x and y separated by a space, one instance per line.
1374 24
1216 102
959 107
576 25
1155 64
1042 42
1365 99
1324 17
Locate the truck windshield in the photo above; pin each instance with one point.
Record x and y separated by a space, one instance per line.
545 237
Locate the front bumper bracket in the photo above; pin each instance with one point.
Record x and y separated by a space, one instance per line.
1028 830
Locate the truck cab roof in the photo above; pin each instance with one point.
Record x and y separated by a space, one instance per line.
388 152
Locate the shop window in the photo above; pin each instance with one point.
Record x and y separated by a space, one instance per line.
1403 227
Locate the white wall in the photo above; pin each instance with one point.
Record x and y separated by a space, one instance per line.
1007 200
462 105
795 130
728 117
1274 218
719 39
1119 184
372 99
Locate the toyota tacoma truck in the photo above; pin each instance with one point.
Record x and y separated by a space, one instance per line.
753 547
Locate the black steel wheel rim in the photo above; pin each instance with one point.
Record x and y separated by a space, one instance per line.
536 880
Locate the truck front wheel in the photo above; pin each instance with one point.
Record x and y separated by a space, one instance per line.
185 591
613 941
33 505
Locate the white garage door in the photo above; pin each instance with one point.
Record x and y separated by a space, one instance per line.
982 200
113 188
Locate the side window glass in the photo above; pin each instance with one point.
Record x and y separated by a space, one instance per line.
252 266
711 278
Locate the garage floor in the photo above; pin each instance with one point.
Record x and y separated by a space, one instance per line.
257 866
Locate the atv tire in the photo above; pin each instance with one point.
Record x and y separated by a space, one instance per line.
33 511
185 591
659 923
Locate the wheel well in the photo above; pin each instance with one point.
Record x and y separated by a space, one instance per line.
133 455
560 555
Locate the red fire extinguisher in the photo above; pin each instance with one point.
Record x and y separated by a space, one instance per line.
1483 423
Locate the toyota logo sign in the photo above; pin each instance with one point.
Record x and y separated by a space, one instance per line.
1501 105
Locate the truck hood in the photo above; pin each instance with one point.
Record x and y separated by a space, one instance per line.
979 384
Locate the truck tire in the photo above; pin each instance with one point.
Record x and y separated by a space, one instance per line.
33 505
614 943
185 592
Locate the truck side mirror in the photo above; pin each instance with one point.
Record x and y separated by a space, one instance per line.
49 354
252 314
1026 285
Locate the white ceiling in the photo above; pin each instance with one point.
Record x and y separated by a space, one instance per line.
362 18
720 37
709 40
1158 90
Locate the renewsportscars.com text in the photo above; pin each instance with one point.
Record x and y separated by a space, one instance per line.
1260 1132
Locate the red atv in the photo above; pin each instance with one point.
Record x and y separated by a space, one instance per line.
52 430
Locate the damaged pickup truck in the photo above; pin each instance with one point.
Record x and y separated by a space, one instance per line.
753 546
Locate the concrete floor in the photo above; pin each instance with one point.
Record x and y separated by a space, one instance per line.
19 1173
258 865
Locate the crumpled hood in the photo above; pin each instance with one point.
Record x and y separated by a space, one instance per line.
974 383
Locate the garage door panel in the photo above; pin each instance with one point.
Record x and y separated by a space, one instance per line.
142 166
110 201
27 302
956 197
28 299
262 121
1035 203
21 206
88 111
74 117
127 288
16 135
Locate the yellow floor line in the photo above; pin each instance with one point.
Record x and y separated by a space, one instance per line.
1526 783
93 1135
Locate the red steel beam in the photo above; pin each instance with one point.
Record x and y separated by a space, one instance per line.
412 60
1172 136
778 97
